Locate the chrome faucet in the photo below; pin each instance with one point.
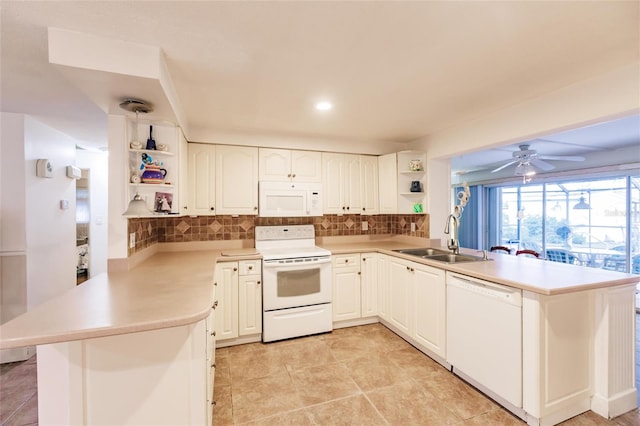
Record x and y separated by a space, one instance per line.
451 229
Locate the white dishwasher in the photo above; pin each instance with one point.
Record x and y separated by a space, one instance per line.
484 336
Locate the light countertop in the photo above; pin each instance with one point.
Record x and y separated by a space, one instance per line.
175 288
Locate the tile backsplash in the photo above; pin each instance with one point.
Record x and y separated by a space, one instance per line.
150 231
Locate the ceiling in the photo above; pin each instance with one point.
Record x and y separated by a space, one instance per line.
395 71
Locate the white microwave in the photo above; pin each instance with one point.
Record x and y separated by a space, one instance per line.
288 199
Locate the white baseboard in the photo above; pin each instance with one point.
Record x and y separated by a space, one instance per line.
16 354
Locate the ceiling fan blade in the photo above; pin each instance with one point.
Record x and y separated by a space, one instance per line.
504 166
562 157
542 165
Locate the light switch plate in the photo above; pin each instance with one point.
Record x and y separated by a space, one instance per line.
413 227
132 240
365 225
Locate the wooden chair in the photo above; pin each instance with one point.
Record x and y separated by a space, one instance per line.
527 253
501 248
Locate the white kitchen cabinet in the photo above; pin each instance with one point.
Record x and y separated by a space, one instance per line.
400 294
202 190
369 184
226 282
183 178
346 286
249 297
368 285
384 285
388 183
283 165
236 180
341 178
408 201
429 301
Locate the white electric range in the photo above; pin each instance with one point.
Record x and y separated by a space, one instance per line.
296 290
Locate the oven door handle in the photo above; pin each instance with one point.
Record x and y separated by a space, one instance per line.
272 264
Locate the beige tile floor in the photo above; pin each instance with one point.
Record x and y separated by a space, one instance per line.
361 375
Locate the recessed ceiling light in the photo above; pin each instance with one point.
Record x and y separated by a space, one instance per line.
324 106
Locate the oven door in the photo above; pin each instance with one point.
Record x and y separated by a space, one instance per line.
297 283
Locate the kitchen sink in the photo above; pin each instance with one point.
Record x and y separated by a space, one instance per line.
453 258
440 255
422 252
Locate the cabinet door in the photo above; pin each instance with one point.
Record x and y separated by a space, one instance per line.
369 284
352 183
227 295
332 183
275 164
250 304
388 183
401 294
183 175
346 287
369 184
429 307
384 285
236 180
306 166
202 165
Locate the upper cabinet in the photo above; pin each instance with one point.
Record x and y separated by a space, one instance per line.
388 183
341 183
201 172
236 180
350 183
283 165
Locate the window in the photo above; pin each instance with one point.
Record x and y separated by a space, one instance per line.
593 222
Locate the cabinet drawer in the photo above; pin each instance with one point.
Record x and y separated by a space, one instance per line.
344 261
250 267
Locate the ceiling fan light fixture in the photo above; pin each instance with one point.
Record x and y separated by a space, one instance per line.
525 169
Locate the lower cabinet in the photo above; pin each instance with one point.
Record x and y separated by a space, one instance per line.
239 295
412 299
355 286
346 287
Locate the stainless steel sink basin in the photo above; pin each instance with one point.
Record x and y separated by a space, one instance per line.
422 252
453 258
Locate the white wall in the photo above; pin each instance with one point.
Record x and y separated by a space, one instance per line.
98 164
51 231
605 97
117 195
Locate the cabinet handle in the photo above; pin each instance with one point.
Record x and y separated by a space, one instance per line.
347 207
215 284
250 267
289 175
364 259
255 208
212 208
215 304
214 333
359 273
213 365
346 261
185 207
235 269
364 209
258 282
293 175
343 208
408 269
213 403
412 269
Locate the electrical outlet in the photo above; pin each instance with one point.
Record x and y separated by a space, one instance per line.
413 227
132 240
365 225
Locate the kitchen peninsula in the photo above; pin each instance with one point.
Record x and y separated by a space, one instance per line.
142 337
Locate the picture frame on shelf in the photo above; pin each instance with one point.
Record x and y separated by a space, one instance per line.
163 202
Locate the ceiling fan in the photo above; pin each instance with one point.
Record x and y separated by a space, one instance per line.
528 159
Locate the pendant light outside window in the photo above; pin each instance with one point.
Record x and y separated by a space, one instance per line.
582 204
